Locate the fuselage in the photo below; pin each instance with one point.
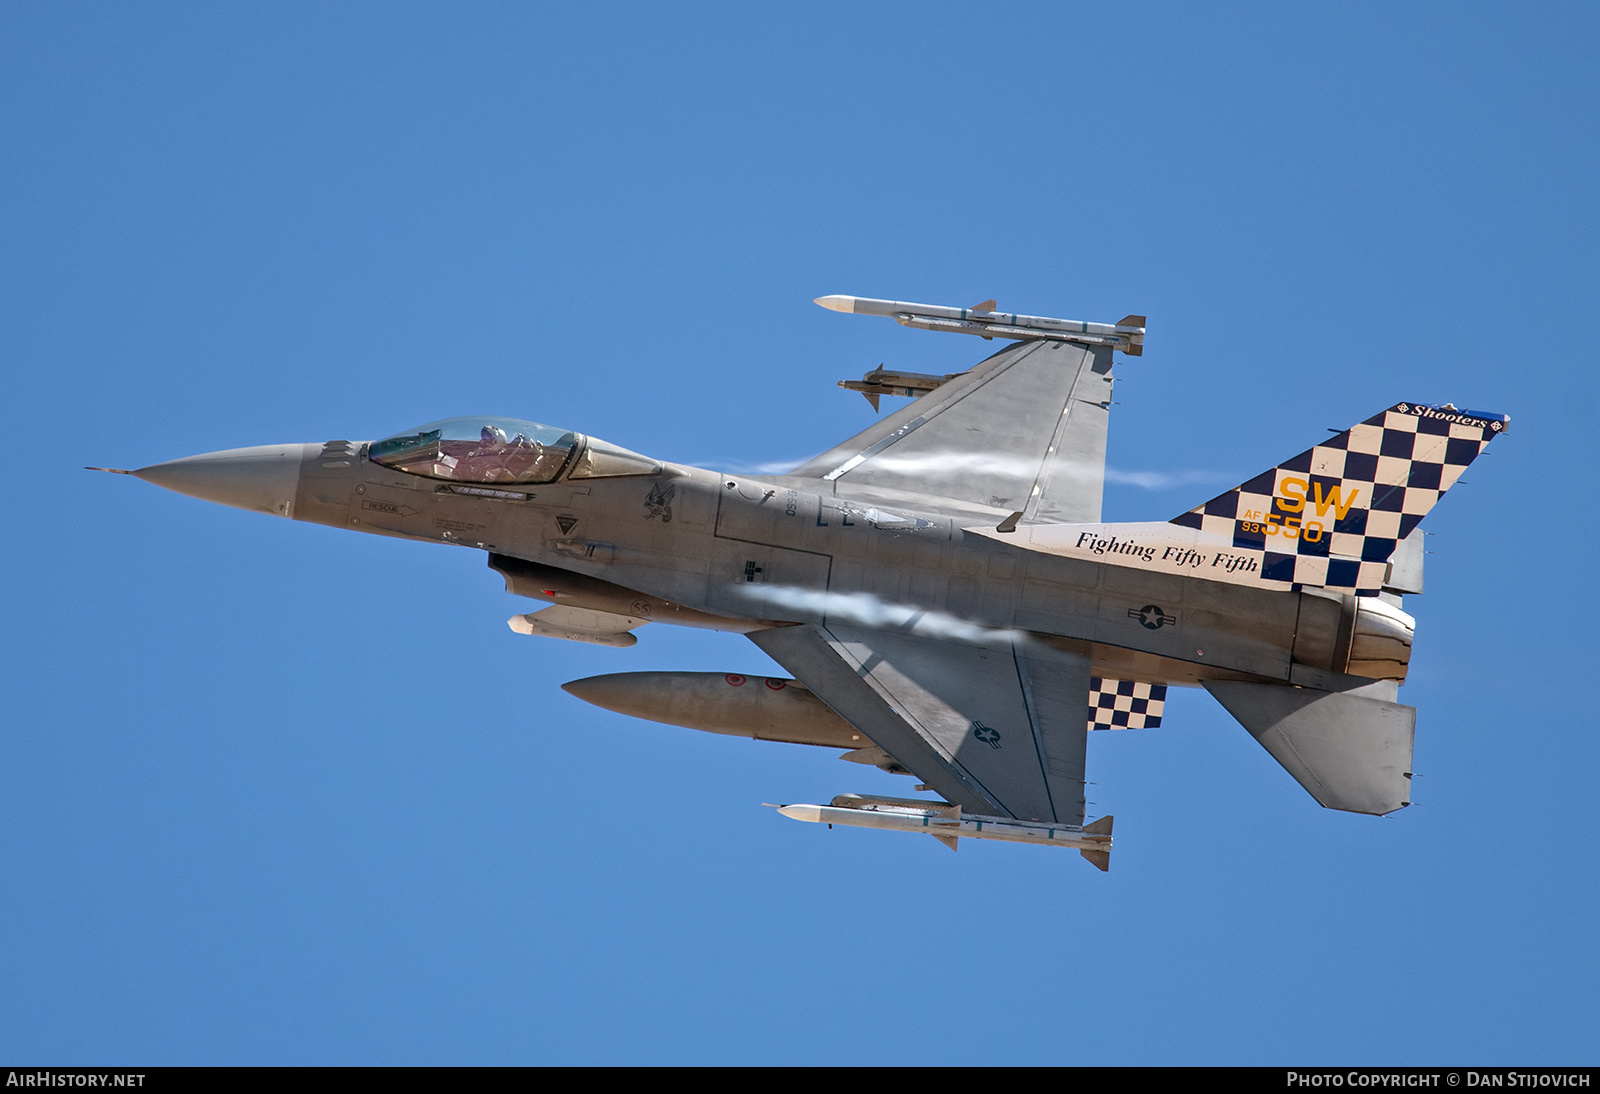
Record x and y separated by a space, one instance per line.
739 552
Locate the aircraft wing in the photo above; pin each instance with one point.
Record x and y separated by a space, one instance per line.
1024 430
999 729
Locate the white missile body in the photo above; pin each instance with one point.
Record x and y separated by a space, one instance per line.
579 625
1126 335
947 824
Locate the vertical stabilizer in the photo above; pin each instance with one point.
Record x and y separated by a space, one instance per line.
1333 516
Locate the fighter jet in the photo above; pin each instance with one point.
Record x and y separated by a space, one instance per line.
941 586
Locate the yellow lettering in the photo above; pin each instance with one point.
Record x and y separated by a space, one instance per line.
1295 495
1340 503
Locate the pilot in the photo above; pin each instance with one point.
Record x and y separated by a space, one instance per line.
481 462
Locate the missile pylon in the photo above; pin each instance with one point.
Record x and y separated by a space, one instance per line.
948 824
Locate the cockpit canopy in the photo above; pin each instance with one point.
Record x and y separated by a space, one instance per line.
504 450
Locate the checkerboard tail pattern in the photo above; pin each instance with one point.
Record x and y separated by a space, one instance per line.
1125 704
1330 518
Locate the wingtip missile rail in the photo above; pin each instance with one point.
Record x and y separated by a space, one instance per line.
948 824
1127 334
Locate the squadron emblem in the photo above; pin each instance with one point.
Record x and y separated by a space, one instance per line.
659 503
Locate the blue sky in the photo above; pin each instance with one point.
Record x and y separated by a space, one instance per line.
280 794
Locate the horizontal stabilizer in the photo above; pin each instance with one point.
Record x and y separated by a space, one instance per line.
1351 750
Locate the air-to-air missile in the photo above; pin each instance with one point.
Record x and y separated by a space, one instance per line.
1126 334
982 320
910 385
947 824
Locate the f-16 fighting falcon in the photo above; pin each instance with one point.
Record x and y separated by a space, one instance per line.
941 586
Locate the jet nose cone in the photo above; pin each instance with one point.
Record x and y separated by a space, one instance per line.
263 478
597 690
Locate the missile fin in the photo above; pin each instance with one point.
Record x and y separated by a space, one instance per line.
871 397
986 305
1100 859
1132 321
1101 827
952 841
